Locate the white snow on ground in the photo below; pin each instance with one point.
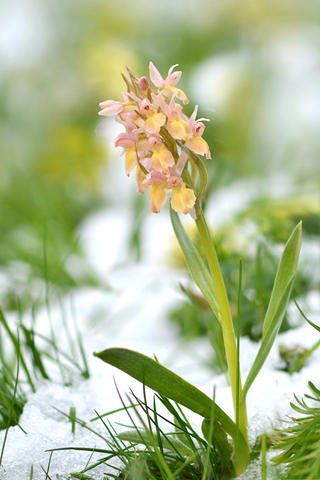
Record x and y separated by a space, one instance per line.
131 311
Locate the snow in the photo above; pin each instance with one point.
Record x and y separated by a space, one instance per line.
131 312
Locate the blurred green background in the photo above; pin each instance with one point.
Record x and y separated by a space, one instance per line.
252 66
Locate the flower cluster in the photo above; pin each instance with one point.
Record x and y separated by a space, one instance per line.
157 137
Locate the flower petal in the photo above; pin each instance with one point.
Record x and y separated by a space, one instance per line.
140 177
155 76
172 78
162 159
123 140
172 68
131 160
178 128
183 199
154 122
158 198
198 145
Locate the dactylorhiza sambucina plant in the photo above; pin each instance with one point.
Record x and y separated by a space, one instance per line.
163 145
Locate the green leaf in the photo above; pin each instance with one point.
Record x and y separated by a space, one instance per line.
218 438
166 383
313 325
317 327
195 263
278 303
147 438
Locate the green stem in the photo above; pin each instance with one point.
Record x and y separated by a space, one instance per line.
225 317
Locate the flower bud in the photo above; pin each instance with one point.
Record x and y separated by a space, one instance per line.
110 107
144 84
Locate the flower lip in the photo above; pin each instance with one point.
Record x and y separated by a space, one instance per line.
146 106
198 129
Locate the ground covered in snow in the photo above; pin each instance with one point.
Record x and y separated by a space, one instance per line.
131 311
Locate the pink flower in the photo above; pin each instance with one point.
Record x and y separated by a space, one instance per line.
171 80
168 86
162 158
125 140
110 107
183 198
196 143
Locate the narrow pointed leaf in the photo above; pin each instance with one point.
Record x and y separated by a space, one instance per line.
313 325
195 263
166 383
278 302
145 438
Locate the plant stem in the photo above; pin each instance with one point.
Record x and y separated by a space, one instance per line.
225 316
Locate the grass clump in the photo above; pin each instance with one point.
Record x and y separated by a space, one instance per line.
300 441
158 448
26 357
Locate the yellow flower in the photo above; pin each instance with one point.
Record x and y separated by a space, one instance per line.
158 198
154 122
178 128
183 199
162 159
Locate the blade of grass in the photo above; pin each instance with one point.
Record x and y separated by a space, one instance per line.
12 405
47 301
237 409
152 445
209 439
143 438
49 464
112 412
36 355
72 417
168 439
15 342
264 457
85 373
82 423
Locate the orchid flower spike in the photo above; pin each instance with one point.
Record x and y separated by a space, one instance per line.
157 137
